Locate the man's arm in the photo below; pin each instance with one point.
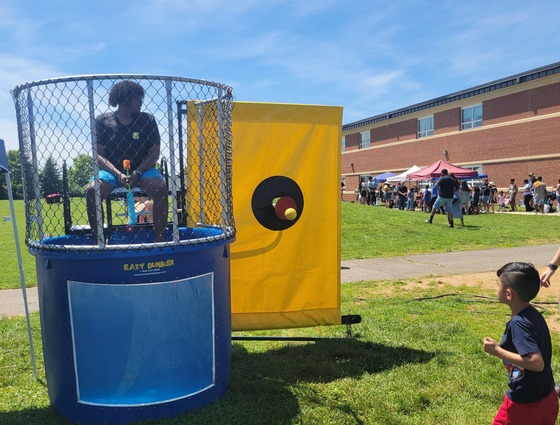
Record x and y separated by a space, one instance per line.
101 140
107 165
550 270
150 160
153 153
145 165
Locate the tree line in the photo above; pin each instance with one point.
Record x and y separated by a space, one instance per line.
50 176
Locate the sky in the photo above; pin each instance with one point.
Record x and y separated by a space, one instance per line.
369 56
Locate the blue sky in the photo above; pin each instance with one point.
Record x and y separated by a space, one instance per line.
369 56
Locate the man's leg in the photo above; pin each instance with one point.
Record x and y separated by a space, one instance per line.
157 190
432 213
450 219
434 209
105 188
527 200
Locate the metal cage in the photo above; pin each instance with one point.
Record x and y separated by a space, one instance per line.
58 149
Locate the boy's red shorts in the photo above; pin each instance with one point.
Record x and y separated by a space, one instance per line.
542 412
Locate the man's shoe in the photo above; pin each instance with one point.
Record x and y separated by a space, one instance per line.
428 221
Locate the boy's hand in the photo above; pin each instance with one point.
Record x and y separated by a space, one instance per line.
490 346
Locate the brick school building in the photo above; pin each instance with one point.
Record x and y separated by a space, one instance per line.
505 129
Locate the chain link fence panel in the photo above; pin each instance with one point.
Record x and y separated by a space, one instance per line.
67 131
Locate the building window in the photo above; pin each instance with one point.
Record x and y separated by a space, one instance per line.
426 126
343 143
365 139
471 117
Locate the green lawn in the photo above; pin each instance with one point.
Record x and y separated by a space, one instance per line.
370 232
366 232
412 360
54 223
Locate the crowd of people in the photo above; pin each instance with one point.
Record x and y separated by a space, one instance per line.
482 197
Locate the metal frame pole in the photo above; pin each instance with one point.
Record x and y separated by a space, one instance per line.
96 169
20 264
222 144
172 159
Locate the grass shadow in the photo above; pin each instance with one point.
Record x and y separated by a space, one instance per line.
40 416
261 384
325 360
471 227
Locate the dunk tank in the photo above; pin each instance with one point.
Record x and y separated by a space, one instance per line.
133 326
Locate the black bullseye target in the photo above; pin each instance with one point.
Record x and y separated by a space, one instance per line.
277 203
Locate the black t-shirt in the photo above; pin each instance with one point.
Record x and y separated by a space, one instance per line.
132 141
526 333
447 186
402 190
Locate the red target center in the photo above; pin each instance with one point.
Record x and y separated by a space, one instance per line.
282 204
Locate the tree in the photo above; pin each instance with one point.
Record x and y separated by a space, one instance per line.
80 174
16 179
3 188
51 179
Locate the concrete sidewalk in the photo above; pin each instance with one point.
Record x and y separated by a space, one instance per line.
444 264
408 266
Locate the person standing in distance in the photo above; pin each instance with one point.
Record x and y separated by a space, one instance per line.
527 193
129 134
447 186
512 192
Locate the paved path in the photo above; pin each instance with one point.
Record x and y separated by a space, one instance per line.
408 266
448 263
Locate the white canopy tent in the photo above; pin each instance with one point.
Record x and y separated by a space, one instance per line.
402 177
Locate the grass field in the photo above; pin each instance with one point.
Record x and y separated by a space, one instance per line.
10 278
370 232
366 232
416 358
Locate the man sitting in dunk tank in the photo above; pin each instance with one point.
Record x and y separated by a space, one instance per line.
129 134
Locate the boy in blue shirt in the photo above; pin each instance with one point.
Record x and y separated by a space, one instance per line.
525 350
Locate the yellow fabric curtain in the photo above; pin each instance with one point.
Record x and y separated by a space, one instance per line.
286 278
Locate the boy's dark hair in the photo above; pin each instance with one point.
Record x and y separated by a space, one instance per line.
523 278
123 91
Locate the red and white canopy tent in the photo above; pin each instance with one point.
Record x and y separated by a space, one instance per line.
434 170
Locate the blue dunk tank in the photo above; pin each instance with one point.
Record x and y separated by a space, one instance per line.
134 287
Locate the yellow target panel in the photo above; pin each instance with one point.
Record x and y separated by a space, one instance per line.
285 262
